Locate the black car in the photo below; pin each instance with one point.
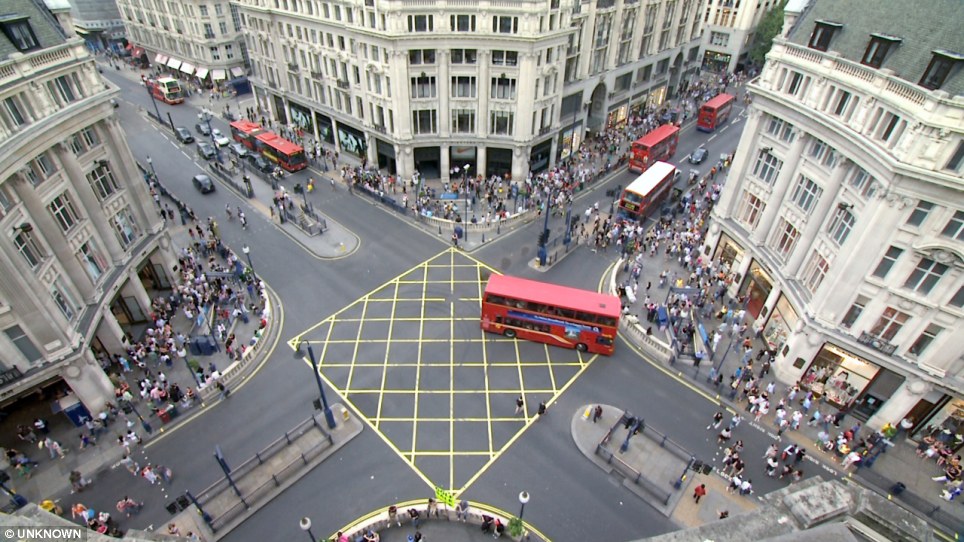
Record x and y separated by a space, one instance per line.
203 183
238 150
205 150
698 156
202 128
260 163
183 135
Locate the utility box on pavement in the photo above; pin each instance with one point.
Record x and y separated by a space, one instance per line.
203 346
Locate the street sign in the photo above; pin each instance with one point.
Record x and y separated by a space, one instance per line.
448 195
444 497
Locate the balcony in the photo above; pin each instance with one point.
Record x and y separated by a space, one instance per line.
380 129
342 84
10 375
293 67
209 36
877 343
545 130
317 75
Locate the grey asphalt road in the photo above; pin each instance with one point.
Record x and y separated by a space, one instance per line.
571 499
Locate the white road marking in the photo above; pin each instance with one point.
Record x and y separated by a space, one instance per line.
712 137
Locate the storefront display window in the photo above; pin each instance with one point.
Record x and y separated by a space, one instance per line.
728 251
617 117
570 141
838 375
757 288
782 321
657 96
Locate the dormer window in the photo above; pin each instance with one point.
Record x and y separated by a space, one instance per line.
822 34
877 49
18 31
940 67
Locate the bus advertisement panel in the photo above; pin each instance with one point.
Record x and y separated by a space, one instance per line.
288 155
660 144
714 113
551 314
244 131
647 191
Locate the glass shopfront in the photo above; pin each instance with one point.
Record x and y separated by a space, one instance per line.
657 96
782 321
838 376
325 131
947 424
728 251
716 62
756 287
302 117
617 115
569 140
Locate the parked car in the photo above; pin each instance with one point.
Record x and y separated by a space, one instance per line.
260 163
183 135
697 156
203 183
219 139
238 150
205 150
202 128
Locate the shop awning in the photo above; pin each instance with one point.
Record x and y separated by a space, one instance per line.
218 75
173 63
201 73
237 72
160 59
187 68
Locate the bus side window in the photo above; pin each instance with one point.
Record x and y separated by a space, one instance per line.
498 319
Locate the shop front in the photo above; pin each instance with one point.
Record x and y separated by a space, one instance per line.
302 117
498 162
386 156
464 155
352 141
657 95
569 141
783 319
428 162
838 376
715 62
279 109
728 251
539 157
756 288
946 423
638 105
326 131
618 115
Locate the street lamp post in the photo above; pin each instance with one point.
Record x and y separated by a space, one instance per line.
523 499
150 164
247 253
329 416
305 525
153 101
465 186
544 238
147 427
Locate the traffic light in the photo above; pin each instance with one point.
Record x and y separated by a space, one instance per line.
543 238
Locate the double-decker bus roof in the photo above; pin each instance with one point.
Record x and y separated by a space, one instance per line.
555 295
657 135
646 182
245 126
279 143
718 101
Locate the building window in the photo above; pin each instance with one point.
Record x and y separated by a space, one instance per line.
937 71
424 121
125 227
223 27
500 122
719 39
204 10
887 262
955 227
20 34
814 272
889 324
61 88
750 210
822 34
503 88
505 25
92 260
64 212
463 121
919 214
785 238
925 276
462 23
14 116
228 51
877 49
63 300
505 58
781 129
421 23
863 183
215 52
841 225
423 87
957 159
958 299
421 56
805 194
29 248
464 56
218 9
822 153
23 343
767 167
924 340
854 312
463 87
102 181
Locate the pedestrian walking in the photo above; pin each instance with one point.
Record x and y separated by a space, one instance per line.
519 405
717 420
746 488
699 493
542 408
462 511
393 515
771 466
597 413
724 435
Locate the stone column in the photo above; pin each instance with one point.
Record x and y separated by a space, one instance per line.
816 221
136 288
131 177
900 402
88 381
781 185
444 163
481 158
113 336
741 167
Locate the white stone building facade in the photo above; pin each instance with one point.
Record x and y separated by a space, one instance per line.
79 233
843 211
500 86
728 31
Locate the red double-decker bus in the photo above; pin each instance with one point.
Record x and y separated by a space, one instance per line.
244 132
649 189
290 156
551 314
714 113
660 144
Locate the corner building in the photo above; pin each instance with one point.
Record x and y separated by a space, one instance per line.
82 245
499 86
843 213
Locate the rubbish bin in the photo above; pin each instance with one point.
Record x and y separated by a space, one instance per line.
167 413
898 488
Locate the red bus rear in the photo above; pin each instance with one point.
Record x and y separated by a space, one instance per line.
658 145
244 132
648 190
714 113
288 155
551 314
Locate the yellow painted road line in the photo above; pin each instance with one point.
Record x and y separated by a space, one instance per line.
446 453
460 419
463 364
552 376
388 349
372 391
522 384
418 360
354 355
452 396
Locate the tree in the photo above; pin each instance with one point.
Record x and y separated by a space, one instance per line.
767 29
